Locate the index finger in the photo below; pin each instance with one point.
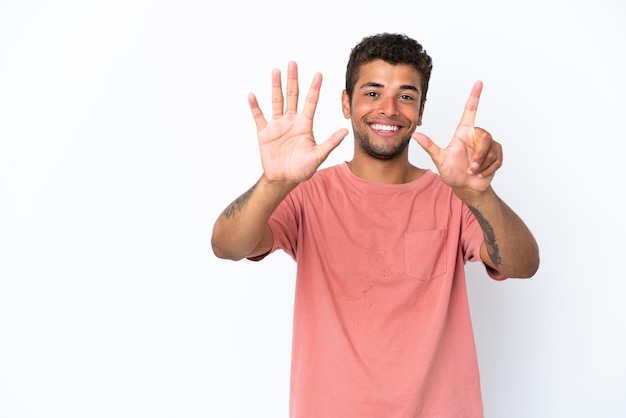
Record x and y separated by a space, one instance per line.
471 105
312 96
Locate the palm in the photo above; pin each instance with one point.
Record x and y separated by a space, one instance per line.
288 148
457 157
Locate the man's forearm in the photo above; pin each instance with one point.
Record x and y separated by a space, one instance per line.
241 230
509 245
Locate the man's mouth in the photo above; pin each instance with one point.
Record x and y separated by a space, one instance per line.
384 128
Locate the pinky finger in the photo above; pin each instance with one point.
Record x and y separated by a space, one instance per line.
257 113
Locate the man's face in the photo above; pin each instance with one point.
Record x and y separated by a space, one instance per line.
386 108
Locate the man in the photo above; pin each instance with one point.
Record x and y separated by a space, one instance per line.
381 316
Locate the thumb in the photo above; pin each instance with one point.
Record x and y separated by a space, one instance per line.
425 142
331 143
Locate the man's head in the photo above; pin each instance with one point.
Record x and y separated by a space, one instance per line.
386 81
393 49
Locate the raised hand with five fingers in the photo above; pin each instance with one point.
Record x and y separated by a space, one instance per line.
287 145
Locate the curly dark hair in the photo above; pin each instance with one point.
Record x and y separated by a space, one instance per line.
393 48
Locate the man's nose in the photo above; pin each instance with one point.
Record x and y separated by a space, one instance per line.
388 106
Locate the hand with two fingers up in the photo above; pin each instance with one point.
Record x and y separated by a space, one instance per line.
471 159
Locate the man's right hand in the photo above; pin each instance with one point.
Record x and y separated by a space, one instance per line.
288 149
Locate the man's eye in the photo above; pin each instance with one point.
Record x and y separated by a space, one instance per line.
406 97
371 94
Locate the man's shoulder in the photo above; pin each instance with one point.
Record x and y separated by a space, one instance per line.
330 170
325 174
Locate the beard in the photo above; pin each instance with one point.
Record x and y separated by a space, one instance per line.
383 151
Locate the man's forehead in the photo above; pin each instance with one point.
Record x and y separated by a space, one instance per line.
382 74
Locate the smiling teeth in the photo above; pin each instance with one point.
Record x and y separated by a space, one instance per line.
386 128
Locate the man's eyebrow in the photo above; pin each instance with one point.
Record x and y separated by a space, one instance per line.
409 87
371 84
374 84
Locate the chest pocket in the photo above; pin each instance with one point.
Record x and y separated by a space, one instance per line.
425 254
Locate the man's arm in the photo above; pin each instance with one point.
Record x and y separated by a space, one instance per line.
509 246
242 230
289 155
468 165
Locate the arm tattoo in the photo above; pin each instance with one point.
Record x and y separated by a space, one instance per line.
238 203
490 237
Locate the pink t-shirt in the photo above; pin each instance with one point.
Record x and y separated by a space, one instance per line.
381 318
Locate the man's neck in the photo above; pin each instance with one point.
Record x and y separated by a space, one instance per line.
395 171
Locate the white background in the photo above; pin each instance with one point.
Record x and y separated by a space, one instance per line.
125 130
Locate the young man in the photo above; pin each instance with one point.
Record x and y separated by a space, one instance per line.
381 316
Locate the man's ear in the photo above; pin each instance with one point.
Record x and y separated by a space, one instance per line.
345 104
419 118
